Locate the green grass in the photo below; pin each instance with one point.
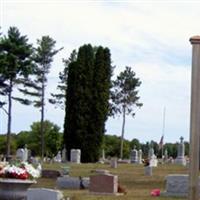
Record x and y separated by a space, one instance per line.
130 176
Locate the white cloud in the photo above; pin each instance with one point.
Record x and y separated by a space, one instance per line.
150 36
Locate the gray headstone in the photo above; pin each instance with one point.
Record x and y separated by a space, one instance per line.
42 193
64 155
26 152
72 182
113 163
148 171
177 185
103 154
134 156
181 153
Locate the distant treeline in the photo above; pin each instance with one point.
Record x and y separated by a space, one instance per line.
54 143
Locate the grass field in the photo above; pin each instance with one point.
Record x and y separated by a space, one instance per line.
130 176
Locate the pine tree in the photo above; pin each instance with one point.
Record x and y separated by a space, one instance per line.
16 64
125 97
36 87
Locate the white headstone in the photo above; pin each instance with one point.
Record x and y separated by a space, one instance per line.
152 158
75 156
58 157
140 156
20 154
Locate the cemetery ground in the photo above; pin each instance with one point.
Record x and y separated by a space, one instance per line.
130 176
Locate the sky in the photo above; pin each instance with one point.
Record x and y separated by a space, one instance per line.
152 37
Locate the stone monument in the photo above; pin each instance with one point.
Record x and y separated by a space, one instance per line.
64 153
152 158
165 155
140 156
75 156
134 155
181 153
113 163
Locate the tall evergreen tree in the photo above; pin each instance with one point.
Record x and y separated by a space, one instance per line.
125 97
87 101
15 61
43 58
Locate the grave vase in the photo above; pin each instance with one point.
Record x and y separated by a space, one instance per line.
14 189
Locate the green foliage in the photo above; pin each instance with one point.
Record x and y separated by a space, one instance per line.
135 143
87 96
171 149
16 64
23 138
125 97
43 58
13 144
52 136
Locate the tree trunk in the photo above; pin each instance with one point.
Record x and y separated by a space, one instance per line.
42 121
122 134
9 121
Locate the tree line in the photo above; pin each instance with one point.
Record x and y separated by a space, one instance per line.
86 91
54 143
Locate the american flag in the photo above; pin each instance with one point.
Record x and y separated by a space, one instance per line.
161 142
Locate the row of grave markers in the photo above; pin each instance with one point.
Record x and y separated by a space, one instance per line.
135 155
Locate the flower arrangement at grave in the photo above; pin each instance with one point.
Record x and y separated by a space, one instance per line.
19 170
146 162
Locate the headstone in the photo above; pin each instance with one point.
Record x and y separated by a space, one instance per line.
151 153
75 156
181 153
165 155
148 171
103 184
43 193
26 151
20 154
113 163
72 182
101 171
65 170
134 156
152 158
140 156
103 154
176 185
64 155
50 173
58 157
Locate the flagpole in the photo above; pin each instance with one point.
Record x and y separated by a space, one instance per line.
163 130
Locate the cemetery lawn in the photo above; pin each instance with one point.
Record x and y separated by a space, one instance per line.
130 177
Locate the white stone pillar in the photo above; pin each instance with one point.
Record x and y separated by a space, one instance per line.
194 120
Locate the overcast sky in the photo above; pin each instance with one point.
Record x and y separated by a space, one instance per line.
150 36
